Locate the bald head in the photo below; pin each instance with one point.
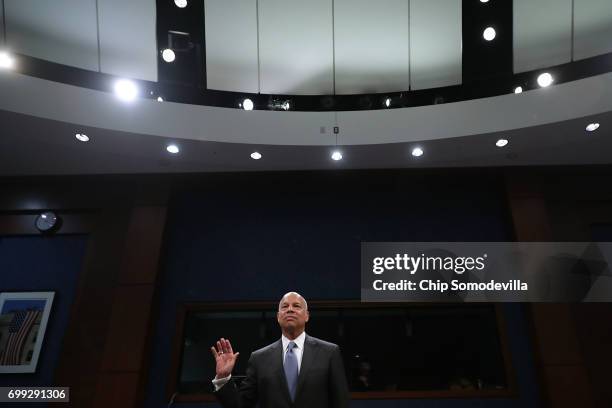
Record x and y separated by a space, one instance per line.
292 294
292 314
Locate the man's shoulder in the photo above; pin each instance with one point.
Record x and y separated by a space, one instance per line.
321 343
267 349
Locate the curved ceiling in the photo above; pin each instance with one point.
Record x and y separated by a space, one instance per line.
90 108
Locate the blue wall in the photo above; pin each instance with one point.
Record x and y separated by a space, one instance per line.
304 234
43 264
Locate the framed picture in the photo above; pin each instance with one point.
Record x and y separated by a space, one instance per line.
23 322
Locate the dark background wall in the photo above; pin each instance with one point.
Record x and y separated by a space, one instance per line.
255 238
238 237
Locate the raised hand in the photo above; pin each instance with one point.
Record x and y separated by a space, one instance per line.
225 358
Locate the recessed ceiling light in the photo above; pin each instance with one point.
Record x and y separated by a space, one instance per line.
388 102
545 79
168 55
336 155
501 143
417 152
247 104
180 3
489 33
518 89
126 90
82 137
6 60
172 148
255 155
592 127
484 1
160 99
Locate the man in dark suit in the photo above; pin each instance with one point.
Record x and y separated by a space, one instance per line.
297 371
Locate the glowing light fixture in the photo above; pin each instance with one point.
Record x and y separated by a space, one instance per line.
489 34
82 137
168 55
545 79
126 90
6 60
592 127
501 143
247 105
417 152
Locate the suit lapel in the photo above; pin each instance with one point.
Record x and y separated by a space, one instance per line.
279 368
308 357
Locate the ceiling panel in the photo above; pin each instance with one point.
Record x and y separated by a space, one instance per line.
128 42
371 46
45 30
435 48
542 33
296 47
592 28
231 45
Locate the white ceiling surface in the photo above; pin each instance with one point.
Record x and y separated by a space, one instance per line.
553 32
44 29
435 43
110 36
90 108
34 146
295 47
374 57
592 28
231 47
333 46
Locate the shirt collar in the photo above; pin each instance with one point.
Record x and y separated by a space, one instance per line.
299 341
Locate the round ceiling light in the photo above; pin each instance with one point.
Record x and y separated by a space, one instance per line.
248 105
518 89
172 148
545 80
501 143
336 155
489 34
255 155
180 3
168 55
592 127
126 90
417 152
6 60
82 137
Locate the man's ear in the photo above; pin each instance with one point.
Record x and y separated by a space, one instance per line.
307 315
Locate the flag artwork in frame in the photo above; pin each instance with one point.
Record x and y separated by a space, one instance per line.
23 322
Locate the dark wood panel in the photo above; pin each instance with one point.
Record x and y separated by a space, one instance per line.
116 390
568 386
144 240
128 328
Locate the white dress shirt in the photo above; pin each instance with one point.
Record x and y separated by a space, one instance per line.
299 342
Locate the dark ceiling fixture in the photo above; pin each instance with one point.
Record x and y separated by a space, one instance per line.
47 222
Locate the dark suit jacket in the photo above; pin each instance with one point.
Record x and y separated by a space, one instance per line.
321 382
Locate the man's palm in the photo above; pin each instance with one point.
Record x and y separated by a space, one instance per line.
225 358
